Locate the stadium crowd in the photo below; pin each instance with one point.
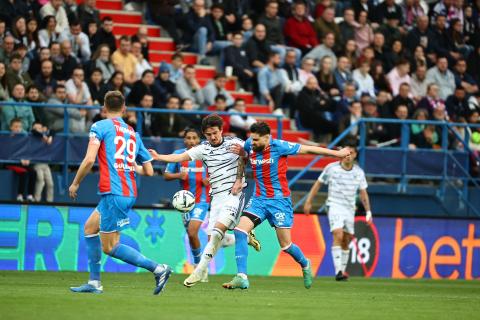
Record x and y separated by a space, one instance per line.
322 64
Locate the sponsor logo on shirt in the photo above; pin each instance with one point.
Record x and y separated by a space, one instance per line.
261 161
124 130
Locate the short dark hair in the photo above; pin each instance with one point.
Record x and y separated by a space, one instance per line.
173 97
351 143
191 129
147 72
114 101
220 75
96 69
189 66
126 38
74 22
220 97
32 87
212 121
16 56
217 6
107 18
15 120
59 86
261 128
238 100
177 56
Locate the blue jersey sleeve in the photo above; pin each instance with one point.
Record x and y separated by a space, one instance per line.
286 148
142 153
97 131
174 167
248 145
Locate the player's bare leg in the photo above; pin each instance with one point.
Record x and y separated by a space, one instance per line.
347 238
338 241
209 252
242 230
285 241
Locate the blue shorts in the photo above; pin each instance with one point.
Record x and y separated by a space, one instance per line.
198 213
278 212
113 211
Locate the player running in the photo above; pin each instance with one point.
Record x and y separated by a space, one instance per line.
118 148
227 182
193 177
344 179
271 199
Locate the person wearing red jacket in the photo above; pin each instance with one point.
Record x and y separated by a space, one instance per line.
298 31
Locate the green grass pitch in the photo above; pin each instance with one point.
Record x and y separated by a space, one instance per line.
44 295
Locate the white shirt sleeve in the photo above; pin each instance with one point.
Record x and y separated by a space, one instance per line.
196 153
363 181
324 176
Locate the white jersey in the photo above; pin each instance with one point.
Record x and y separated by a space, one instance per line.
343 184
221 163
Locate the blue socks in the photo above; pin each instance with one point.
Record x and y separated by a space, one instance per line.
196 255
133 257
94 253
241 250
297 254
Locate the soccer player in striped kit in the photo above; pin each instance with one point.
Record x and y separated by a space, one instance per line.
194 178
271 199
118 148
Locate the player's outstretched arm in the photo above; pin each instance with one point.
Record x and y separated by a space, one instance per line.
173 176
307 207
85 167
238 185
366 204
342 153
169 157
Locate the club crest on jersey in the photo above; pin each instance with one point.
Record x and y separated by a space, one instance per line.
123 222
280 216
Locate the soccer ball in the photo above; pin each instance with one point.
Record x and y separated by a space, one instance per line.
183 201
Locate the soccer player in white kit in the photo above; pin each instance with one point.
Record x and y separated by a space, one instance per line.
227 181
344 178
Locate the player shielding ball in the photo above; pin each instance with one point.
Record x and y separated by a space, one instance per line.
271 199
227 182
193 177
344 179
118 148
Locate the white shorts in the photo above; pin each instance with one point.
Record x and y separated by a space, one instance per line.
226 209
340 217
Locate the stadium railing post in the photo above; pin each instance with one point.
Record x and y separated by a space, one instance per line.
66 136
405 141
279 127
363 143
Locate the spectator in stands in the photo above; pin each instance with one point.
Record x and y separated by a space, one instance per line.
4 92
403 98
457 38
393 131
146 85
71 8
188 87
101 60
9 112
148 117
271 84
163 13
396 53
64 62
346 99
298 30
142 63
96 85
77 89
221 106
3 30
142 37
163 82
342 73
7 49
45 81
216 87
198 30
375 131
43 174
443 77
240 122
48 33
195 120
379 78
274 26
170 124
257 48
392 30
35 64
432 99
235 56
32 33
19 32
418 83
326 78
87 12
440 40
363 79
55 8
422 136
306 71
104 35
462 78
125 61
115 83
350 51
22 50
412 10
324 50
326 24
221 28
473 64
293 83
363 32
421 35
55 116
176 67
78 40
11 9
379 48
347 26
354 115
315 109
16 75
24 172
457 104
399 75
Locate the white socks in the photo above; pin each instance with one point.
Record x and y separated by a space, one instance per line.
95 283
345 255
210 250
337 258
228 240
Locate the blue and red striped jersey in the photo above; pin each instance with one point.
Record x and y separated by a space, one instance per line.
120 148
196 173
270 167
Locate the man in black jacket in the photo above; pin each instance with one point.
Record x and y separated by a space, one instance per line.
421 35
235 56
258 48
146 85
169 124
105 35
198 30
